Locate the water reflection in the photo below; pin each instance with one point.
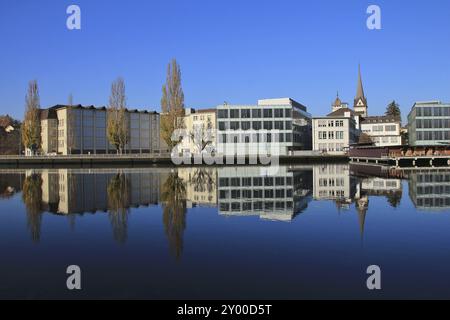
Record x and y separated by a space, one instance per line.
235 191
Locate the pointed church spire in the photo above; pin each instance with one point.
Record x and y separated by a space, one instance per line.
360 89
360 105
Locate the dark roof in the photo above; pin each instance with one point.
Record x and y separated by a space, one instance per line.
381 119
206 110
91 107
48 114
341 112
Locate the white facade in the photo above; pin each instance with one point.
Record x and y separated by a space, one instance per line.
384 130
273 126
334 134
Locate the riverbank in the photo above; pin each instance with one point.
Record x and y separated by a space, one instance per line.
138 160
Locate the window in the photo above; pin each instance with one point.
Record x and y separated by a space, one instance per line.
378 128
245 113
340 135
331 135
278 113
287 113
279 181
257 194
222 114
234 113
322 123
256 113
245 125
268 125
331 123
268 113
288 137
339 123
391 128
268 181
234 125
246 182
256 125
235 182
257 182
223 125
288 125
279 125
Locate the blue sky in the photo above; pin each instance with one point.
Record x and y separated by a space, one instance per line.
234 51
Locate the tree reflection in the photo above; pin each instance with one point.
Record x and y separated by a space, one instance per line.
203 180
32 198
118 203
173 198
394 199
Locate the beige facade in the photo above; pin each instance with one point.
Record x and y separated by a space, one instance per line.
334 133
383 130
200 127
82 130
201 186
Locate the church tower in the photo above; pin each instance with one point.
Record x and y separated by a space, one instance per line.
360 104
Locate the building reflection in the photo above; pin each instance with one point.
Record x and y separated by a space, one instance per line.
235 191
429 190
245 191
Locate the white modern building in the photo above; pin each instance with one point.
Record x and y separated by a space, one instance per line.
383 130
273 126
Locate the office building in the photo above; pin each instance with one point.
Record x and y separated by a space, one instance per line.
82 130
429 124
275 126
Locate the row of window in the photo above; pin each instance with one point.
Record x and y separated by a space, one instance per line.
255 206
255 181
331 182
331 135
253 113
432 111
255 194
436 189
331 147
330 123
433 135
381 128
433 123
255 125
433 202
426 178
257 138
386 139
331 194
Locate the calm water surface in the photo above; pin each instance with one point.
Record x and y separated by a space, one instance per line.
233 232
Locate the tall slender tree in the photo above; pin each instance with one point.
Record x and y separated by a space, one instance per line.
117 123
31 126
172 103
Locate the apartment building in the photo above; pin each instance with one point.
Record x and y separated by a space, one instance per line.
275 126
429 124
82 130
334 133
383 130
200 129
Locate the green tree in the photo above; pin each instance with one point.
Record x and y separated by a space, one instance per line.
172 104
117 122
393 109
31 126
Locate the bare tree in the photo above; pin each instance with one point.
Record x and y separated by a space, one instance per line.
117 126
201 136
31 126
172 104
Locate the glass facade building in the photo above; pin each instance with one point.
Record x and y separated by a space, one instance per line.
429 124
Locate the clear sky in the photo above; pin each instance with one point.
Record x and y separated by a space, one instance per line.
234 51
